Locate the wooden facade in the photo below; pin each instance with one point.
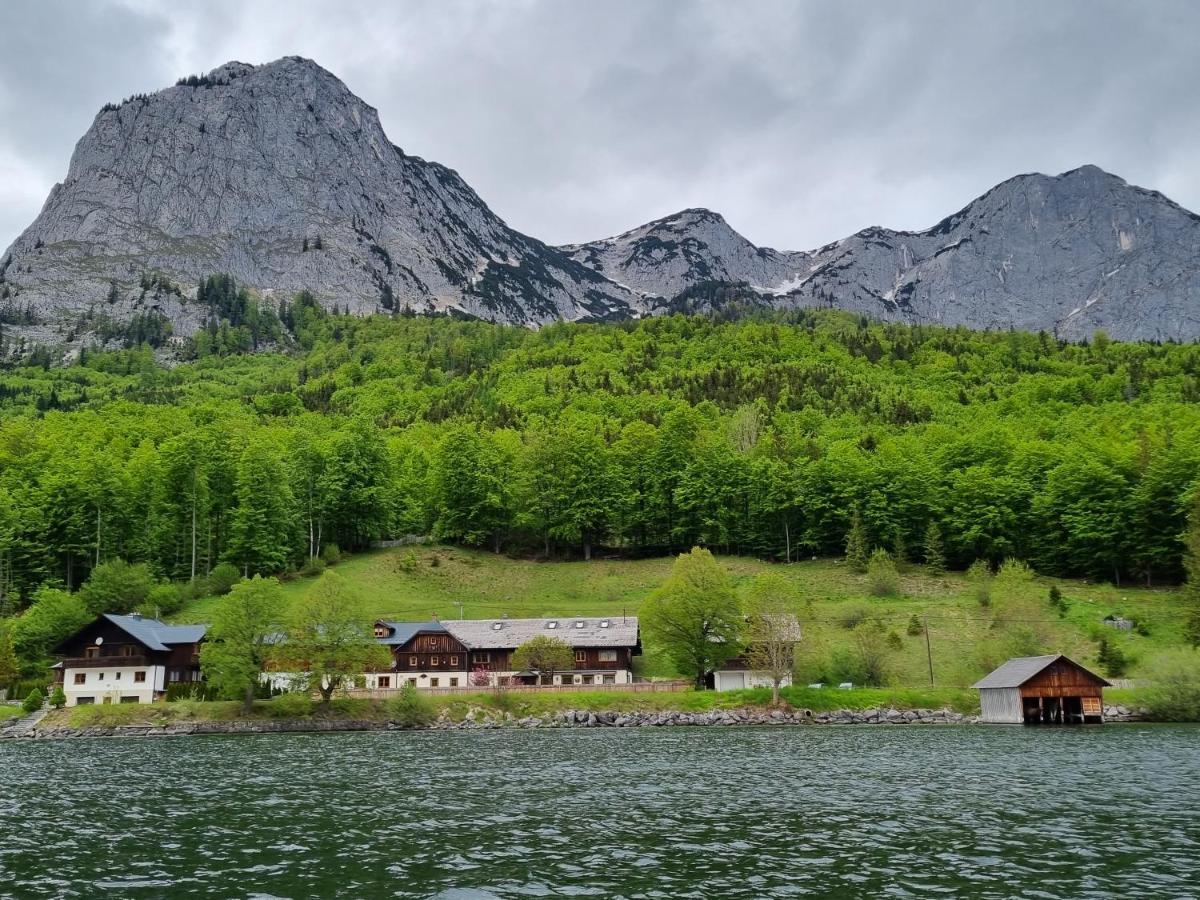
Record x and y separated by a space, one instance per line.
1049 690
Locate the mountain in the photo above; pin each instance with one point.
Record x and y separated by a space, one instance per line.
1068 254
278 175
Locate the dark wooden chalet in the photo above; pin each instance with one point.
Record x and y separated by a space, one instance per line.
127 659
423 653
1042 690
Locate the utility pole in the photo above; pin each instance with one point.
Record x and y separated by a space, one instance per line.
928 651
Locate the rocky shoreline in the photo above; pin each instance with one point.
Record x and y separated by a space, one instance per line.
480 719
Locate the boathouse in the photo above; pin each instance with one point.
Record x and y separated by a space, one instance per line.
1041 690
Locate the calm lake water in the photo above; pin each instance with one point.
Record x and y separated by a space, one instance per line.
679 812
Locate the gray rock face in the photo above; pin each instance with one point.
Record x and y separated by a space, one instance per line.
281 177
1067 254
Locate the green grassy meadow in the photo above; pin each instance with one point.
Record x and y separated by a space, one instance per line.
966 638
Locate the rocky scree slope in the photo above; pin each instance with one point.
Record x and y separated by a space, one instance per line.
278 175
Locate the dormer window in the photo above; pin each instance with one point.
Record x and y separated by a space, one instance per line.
496 626
382 631
552 624
580 624
604 623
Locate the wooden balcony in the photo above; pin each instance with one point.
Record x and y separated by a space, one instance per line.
106 662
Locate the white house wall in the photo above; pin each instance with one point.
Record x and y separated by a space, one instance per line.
737 679
113 684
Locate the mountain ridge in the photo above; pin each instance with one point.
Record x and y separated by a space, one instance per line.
278 175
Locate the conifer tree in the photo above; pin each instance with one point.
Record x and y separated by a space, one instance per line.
935 554
858 552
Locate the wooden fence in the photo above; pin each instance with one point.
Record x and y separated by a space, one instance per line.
637 687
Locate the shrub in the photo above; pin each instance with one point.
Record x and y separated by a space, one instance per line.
313 567
34 701
331 553
853 614
290 706
222 579
183 691
410 709
857 549
881 572
117 587
435 561
58 699
1056 600
1173 694
914 627
409 563
1014 572
894 641
980 577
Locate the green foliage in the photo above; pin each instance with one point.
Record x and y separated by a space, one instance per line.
222 579
116 586
935 553
981 579
695 617
34 701
1013 573
242 638
894 641
882 574
291 705
411 709
1057 602
54 616
545 655
1112 659
1173 694
330 639
58 698
915 628
9 666
313 567
331 554
163 600
409 563
857 547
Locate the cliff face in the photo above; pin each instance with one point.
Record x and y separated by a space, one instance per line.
1067 254
281 177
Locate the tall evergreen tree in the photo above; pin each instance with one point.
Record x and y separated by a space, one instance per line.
858 550
935 554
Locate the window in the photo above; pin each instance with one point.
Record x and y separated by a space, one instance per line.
81 678
453 682
481 657
412 682
99 676
129 700
139 677
129 650
610 679
608 656
384 681
496 626
91 652
174 674
433 682
413 662
580 624
604 623
580 657
453 661
84 701
551 624
433 661
117 676
381 631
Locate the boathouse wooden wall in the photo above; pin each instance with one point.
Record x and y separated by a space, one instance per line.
1001 705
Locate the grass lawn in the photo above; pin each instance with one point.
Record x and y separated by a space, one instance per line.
10 712
966 639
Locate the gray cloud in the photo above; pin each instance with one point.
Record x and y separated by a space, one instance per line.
800 122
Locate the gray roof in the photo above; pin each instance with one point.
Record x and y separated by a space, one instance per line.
403 632
578 631
155 634
1016 672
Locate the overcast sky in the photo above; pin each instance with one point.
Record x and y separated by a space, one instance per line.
801 122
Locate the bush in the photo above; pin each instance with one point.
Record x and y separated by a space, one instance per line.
894 641
409 563
331 553
290 706
881 572
410 709
852 615
181 691
222 579
117 587
1014 572
1174 691
914 627
58 699
163 600
34 701
980 577
1056 600
313 567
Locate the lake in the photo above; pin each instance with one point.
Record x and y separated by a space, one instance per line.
675 812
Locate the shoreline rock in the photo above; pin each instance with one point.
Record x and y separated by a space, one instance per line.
479 719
